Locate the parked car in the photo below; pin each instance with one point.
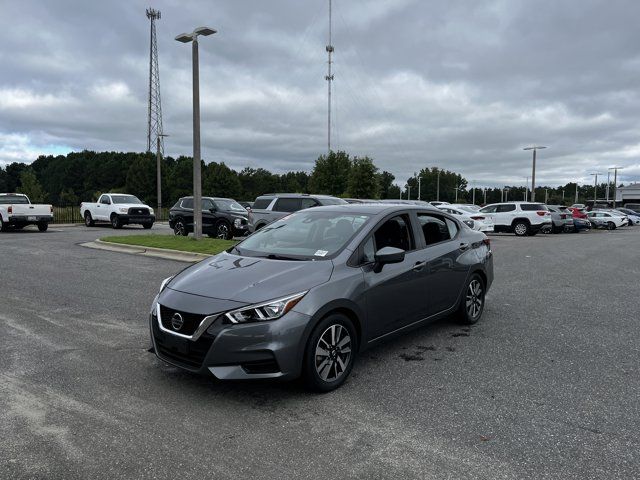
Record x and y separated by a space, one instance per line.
580 224
579 206
561 219
307 294
17 211
633 206
222 218
438 203
118 209
578 212
632 215
271 207
612 220
521 218
475 220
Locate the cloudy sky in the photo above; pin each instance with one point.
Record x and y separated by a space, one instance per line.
462 85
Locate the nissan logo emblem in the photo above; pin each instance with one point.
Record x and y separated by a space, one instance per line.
176 321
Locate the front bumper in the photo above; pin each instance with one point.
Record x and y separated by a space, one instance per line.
125 218
270 349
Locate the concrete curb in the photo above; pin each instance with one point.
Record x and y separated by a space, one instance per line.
164 253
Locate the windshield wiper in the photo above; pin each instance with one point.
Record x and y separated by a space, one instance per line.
236 249
273 256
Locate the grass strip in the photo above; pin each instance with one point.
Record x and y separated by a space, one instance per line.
209 246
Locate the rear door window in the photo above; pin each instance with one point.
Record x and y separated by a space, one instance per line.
261 203
510 207
308 203
287 205
436 229
532 207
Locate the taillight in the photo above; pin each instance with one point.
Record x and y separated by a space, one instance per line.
541 213
563 216
477 218
10 209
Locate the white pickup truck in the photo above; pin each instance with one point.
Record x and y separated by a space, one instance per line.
118 209
17 211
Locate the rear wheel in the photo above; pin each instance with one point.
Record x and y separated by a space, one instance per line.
3 226
43 226
472 304
179 228
88 220
521 229
330 353
611 226
223 230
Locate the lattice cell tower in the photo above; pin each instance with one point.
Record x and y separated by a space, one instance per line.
154 123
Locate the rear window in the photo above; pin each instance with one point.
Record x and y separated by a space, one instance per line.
13 199
531 207
261 203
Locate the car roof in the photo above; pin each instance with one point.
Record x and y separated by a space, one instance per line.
373 208
296 195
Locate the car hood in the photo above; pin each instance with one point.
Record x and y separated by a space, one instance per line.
130 205
250 279
237 213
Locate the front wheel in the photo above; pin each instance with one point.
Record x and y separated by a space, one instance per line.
330 353
43 226
115 221
179 228
88 220
3 226
472 304
521 229
611 226
147 226
223 231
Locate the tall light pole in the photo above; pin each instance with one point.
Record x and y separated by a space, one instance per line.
408 192
506 194
615 182
526 189
595 186
473 192
533 170
576 200
438 187
485 195
197 179
419 186
159 171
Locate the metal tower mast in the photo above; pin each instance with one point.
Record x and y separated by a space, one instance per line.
154 121
329 79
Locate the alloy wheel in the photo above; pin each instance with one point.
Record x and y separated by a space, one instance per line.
178 229
521 229
474 298
333 353
223 232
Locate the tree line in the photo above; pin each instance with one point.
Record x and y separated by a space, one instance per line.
83 176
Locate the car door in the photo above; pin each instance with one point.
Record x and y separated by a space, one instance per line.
394 296
103 207
186 212
444 274
209 216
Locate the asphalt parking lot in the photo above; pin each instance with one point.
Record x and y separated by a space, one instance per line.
546 386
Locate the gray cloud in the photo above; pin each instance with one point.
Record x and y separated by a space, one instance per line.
461 85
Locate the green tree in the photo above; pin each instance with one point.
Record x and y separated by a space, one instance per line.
331 174
141 179
30 186
220 181
257 181
363 178
385 180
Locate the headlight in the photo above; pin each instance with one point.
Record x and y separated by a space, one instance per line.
237 222
151 211
270 310
123 210
164 284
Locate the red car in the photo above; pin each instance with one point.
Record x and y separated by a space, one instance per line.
577 212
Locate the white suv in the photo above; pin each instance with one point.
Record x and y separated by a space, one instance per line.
521 218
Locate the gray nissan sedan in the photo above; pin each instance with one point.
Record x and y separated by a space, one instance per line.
306 294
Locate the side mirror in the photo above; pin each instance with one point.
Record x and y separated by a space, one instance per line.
212 209
387 255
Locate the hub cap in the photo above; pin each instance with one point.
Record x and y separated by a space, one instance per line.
333 353
474 298
521 229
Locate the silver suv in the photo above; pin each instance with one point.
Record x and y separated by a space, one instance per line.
274 206
521 218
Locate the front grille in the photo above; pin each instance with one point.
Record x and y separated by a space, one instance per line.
180 350
138 211
190 320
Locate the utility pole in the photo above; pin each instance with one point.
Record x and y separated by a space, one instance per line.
329 79
473 192
533 171
506 194
154 107
159 172
485 195
438 187
526 190
607 189
419 185
408 192
546 196
615 182
595 186
563 196
576 200
197 177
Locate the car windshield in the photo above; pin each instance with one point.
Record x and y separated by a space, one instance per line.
126 199
13 200
469 209
304 235
225 204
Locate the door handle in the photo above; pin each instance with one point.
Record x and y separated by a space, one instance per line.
419 266
464 246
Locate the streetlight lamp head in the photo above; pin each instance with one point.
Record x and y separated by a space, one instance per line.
184 37
204 31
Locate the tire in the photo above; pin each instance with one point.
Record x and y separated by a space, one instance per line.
258 227
115 221
472 304
179 228
147 226
88 219
43 226
611 226
328 361
223 230
3 226
521 229
546 230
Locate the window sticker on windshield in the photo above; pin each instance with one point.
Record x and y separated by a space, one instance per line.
320 253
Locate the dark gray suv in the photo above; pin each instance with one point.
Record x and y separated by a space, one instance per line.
307 293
